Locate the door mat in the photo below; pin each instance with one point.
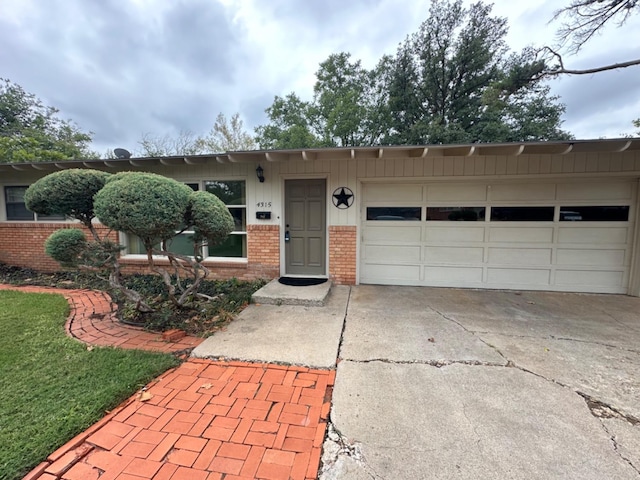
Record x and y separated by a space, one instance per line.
301 281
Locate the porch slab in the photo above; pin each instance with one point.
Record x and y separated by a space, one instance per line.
275 293
291 334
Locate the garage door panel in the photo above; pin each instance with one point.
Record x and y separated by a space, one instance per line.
520 256
595 191
590 278
393 233
523 191
519 276
461 255
388 274
521 234
590 256
391 193
456 193
441 275
394 253
594 235
454 233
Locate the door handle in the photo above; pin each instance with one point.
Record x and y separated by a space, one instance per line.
287 237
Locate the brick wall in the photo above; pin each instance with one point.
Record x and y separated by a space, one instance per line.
342 254
263 249
22 245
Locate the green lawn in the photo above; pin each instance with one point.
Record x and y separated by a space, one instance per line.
51 386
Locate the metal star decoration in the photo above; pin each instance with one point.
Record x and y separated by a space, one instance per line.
343 197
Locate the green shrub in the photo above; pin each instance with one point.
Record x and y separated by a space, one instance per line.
68 192
147 205
66 246
210 217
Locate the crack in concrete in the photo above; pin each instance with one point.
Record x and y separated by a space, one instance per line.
600 411
344 327
338 445
430 363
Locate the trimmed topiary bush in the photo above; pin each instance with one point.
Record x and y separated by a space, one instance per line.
66 246
68 192
147 205
210 218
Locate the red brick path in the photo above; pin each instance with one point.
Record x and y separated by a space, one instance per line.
203 420
93 321
207 421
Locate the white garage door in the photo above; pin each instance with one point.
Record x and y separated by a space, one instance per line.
537 236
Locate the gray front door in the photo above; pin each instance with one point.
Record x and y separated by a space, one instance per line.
305 227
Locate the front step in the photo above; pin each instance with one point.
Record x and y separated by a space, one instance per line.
275 293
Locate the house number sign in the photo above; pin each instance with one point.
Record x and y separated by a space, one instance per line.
343 197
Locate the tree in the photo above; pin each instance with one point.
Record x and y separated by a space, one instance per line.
186 143
454 80
129 202
291 125
32 132
636 123
584 19
226 136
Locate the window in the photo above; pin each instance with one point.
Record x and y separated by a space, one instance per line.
394 213
595 214
465 214
232 194
522 214
16 208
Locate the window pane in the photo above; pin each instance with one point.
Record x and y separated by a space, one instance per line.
595 214
230 192
193 186
16 209
240 218
468 214
233 246
522 214
182 244
393 213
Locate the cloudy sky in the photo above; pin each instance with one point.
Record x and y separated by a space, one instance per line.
123 68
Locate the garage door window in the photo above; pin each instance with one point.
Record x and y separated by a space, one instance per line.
594 214
453 214
522 214
394 213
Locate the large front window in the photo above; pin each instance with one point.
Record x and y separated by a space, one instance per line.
233 195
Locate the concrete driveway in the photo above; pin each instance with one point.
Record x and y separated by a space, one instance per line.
436 383
465 384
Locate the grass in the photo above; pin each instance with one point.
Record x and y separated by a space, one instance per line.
53 387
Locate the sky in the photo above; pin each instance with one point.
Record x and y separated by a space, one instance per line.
125 68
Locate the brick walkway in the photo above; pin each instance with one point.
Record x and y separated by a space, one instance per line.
204 420
93 321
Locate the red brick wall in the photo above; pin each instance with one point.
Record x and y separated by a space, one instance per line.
263 249
22 244
342 254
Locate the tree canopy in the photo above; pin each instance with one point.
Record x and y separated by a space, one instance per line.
32 132
454 80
